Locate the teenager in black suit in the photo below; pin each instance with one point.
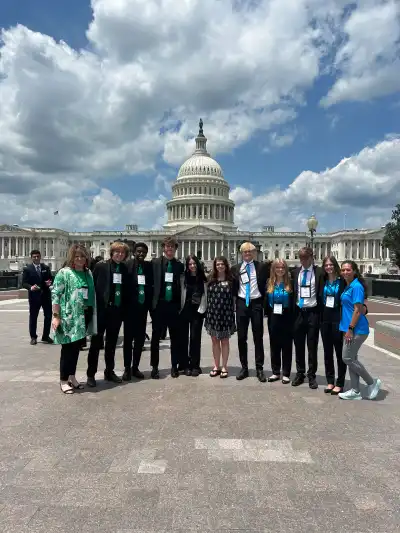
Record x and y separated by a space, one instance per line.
308 281
37 279
167 272
110 281
140 294
250 281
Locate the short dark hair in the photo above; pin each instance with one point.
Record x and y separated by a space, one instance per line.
141 245
36 252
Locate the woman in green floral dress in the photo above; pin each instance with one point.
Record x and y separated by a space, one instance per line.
74 313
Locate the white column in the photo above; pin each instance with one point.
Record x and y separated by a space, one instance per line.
209 250
202 248
387 254
2 247
373 249
183 249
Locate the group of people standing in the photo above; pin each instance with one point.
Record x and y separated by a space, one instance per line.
181 297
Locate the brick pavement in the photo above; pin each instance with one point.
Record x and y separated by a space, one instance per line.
191 454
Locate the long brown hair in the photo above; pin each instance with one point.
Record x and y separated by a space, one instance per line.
213 278
357 275
272 277
70 261
335 264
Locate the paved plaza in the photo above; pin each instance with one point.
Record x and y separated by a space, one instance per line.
191 454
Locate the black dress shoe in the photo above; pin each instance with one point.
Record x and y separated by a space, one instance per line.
174 372
127 375
312 383
154 373
335 393
137 374
261 376
91 382
243 374
327 390
188 372
195 372
47 340
298 380
33 342
112 376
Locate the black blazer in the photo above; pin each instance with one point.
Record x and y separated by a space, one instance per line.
319 284
102 283
30 277
177 269
262 271
132 283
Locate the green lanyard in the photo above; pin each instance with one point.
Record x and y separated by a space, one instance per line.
117 297
168 285
141 295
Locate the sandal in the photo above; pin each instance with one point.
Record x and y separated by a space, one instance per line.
224 374
69 390
215 372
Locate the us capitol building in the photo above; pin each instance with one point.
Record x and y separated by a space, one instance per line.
201 216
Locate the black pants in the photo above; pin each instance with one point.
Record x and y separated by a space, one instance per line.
244 315
280 329
332 339
36 302
166 314
134 332
306 328
69 359
191 328
109 321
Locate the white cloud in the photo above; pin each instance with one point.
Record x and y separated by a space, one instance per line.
369 59
72 118
367 184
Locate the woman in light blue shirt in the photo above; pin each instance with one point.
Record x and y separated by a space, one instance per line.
354 325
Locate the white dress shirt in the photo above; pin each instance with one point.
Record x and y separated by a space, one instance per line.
307 302
254 291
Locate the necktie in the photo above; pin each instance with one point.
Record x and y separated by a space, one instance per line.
248 286
117 297
141 295
38 271
303 282
168 285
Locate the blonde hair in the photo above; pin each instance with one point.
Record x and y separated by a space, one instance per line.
118 245
272 277
247 247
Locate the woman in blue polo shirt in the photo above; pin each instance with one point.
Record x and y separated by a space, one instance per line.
279 309
354 325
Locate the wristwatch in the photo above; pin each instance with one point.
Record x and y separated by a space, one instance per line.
351 328
56 315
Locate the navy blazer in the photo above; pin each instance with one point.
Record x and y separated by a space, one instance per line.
30 277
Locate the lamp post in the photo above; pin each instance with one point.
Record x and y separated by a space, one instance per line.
312 224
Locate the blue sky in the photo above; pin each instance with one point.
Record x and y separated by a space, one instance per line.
99 168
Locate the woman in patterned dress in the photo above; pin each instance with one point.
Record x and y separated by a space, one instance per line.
74 313
220 316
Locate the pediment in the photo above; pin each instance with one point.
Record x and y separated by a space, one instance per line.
197 231
8 227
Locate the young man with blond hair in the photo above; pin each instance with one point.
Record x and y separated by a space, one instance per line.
110 280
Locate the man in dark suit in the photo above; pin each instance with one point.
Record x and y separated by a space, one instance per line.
307 287
37 279
139 296
110 281
250 281
166 305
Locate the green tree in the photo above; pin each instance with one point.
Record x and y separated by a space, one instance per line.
391 239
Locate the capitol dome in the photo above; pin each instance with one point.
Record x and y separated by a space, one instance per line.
200 192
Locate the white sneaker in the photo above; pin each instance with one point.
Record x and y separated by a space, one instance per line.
374 389
350 395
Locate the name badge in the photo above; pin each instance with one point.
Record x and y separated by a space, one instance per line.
117 278
278 309
244 277
169 277
224 283
305 291
84 292
141 279
330 302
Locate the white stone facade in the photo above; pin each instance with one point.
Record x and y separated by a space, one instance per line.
201 216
